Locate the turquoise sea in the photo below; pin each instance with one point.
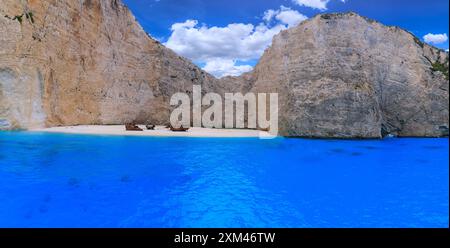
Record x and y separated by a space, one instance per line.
60 180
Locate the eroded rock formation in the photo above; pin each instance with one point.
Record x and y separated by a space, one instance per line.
338 75
84 62
345 76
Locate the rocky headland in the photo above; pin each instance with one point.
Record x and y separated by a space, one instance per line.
88 62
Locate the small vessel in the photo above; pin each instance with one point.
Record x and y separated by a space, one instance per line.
264 129
132 127
180 129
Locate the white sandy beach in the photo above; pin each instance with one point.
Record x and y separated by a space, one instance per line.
159 131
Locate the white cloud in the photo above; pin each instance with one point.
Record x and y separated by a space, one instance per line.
284 15
220 48
269 15
225 67
435 38
315 4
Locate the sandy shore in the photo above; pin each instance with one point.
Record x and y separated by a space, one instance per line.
159 131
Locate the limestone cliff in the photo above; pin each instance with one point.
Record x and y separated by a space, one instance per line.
338 75
84 62
344 76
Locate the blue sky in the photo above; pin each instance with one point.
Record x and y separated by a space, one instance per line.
201 30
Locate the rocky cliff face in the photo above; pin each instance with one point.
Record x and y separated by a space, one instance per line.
84 62
89 62
344 76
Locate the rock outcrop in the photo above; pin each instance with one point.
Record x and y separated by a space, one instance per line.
84 62
345 76
338 75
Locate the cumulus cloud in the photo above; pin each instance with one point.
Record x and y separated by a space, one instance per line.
236 41
435 38
315 4
225 67
285 16
221 48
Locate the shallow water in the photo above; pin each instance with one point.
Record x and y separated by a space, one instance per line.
60 180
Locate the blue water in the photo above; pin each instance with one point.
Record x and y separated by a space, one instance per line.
56 180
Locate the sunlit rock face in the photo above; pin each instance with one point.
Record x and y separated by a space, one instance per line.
344 76
338 76
84 62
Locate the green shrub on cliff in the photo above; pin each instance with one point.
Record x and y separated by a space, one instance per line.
28 15
441 67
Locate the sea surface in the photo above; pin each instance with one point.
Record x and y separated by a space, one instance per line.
60 180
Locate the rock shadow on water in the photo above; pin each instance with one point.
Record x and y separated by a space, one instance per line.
357 154
73 182
43 209
342 151
47 198
368 147
125 179
431 147
28 215
338 151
